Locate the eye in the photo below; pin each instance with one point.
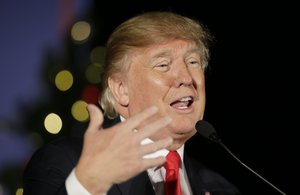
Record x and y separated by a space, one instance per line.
193 63
162 67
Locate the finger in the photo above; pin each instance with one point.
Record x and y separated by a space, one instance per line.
153 162
136 120
150 129
96 118
156 146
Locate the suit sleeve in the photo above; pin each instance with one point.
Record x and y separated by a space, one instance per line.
48 169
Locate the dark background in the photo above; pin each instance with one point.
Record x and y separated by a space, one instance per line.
252 84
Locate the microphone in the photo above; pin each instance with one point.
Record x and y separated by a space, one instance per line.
205 129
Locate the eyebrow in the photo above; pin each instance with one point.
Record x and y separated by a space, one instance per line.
168 52
162 54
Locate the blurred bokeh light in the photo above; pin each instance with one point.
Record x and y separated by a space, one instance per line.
64 80
79 111
53 123
80 31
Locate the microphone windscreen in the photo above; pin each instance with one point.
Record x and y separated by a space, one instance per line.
205 128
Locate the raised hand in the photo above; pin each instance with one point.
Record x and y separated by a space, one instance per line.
115 154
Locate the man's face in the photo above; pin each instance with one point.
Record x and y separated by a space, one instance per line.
170 77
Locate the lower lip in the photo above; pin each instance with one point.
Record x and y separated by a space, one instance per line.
184 110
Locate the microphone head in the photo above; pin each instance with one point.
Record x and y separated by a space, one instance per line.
207 130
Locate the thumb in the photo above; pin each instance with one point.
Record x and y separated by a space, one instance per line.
96 118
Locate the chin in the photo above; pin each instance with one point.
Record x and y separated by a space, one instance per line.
182 136
179 140
183 126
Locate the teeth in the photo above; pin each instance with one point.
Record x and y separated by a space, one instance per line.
182 103
182 107
186 99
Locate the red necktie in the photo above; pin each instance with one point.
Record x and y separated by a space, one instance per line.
172 185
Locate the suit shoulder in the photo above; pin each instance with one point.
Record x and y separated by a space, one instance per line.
62 153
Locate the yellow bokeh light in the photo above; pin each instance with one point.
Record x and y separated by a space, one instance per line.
79 111
19 191
64 80
93 73
98 55
53 123
80 31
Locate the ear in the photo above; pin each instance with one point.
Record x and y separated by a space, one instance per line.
119 90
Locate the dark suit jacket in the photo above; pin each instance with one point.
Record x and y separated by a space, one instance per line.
49 167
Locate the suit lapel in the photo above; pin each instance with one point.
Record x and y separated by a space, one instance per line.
192 170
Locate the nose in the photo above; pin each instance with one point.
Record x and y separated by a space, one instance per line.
183 76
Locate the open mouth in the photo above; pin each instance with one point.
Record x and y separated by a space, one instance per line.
183 103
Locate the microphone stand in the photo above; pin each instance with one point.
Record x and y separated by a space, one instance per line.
208 131
225 147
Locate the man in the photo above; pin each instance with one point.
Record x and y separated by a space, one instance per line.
154 82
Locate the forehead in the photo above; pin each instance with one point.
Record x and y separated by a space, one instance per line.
170 48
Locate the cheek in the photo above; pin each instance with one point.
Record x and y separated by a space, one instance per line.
140 94
162 81
199 75
147 92
199 80
151 84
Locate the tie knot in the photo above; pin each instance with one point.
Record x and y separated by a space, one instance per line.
172 160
